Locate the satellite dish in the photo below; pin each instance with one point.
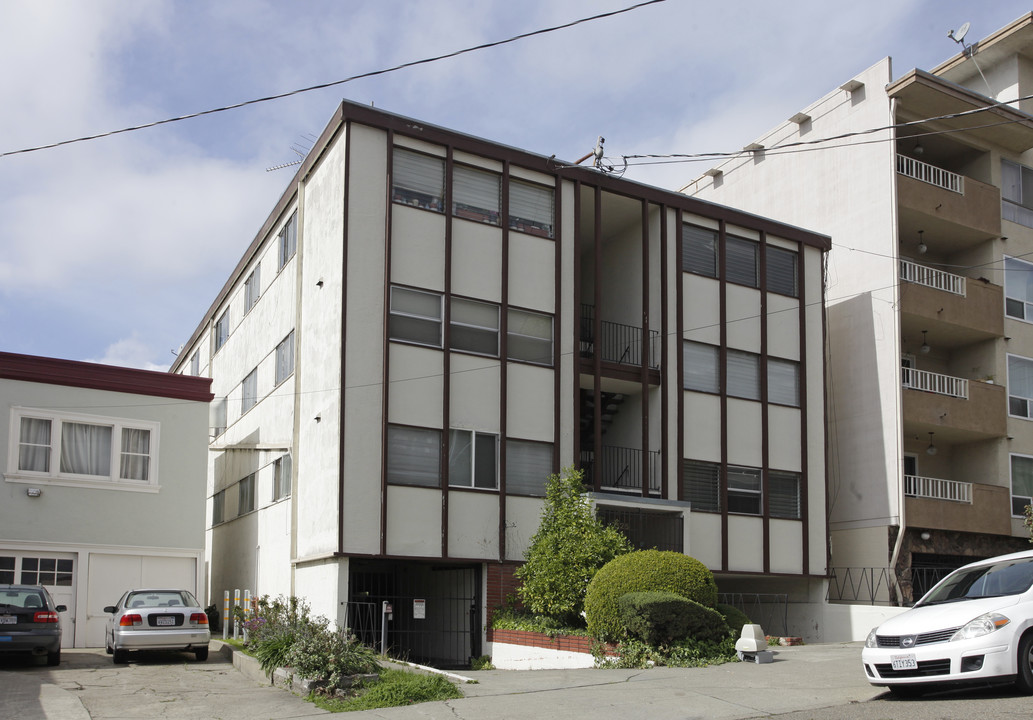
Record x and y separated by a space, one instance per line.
959 36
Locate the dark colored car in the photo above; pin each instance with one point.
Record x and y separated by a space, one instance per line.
163 619
30 622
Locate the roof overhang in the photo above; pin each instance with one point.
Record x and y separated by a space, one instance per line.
923 95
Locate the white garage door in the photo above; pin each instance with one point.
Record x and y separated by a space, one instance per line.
111 575
54 571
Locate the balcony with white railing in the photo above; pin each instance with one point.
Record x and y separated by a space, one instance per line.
937 489
932 278
934 383
930 174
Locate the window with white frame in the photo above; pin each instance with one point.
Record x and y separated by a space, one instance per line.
222 330
287 241
413 456
741 261
218 507
79 448
1018 289
1016 193
418 180
783 382
744 490
699 250
195 363
1021 484
252 289
529 337
531 208
700 367
474 327
246 495
249 391
701 485
743 374
784 494
1020 387
528 467
415 316
473 459
476 194
782 275
285 358
282 477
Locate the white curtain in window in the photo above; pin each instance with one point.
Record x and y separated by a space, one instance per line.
34 445
85 449
136 454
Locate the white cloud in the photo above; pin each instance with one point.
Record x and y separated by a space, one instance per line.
131 352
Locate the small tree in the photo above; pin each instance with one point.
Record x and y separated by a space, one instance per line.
570 546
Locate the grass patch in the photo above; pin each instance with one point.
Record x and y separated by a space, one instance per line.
394 688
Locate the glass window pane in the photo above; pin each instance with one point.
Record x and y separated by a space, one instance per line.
460 458
85 449
34 445
743 375
784 495
781 271
783 382
475 327
741 261
701 485
528 466
529 337
699 250
485 461
1021 475
531 208
700 367
419 180
476 194
413 456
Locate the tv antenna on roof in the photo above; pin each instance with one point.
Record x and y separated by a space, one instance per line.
969 51
299 149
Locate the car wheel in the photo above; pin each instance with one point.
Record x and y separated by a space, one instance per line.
201 654
1024 678
54 658
907 691
121 657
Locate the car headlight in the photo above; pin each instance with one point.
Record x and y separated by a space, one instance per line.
871 642
982 625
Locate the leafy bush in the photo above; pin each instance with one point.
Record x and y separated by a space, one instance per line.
734 617
684 653
644 571
393 688
509 619
326 655
660 617
571 544
274 628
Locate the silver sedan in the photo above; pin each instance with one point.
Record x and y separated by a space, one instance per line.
156 620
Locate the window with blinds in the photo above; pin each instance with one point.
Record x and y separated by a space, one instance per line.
781 272
784 494
476 194
1021 484
699 250
413 456
783 382
744 490
701 485
741 261
531 208
418 180
528 466
743 375
700 367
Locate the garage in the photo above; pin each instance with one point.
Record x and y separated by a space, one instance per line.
54 571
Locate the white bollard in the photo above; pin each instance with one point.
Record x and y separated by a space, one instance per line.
247 612
225 613
236 604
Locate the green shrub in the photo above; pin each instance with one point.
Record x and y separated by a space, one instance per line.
394 687
656 617
643 571
683 653
735 617
326 656
571 544
274 628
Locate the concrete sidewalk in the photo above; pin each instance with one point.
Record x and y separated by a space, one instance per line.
800 678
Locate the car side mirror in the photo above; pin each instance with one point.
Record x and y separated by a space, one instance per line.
61 608
111 609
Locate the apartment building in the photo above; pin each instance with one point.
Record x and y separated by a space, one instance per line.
925 182
103 483
428 324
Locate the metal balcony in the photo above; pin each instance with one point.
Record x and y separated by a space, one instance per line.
618 343
619 469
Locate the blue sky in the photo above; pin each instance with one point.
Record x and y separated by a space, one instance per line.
113 249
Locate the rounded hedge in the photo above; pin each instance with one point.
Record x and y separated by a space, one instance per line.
644 571
735 617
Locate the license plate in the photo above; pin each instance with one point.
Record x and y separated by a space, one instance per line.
904 662
6 638
165 621
8 619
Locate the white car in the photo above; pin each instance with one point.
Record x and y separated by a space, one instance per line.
156 620
975 626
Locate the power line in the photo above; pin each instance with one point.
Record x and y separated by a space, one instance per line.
322 86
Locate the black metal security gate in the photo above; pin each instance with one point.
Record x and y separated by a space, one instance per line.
435 610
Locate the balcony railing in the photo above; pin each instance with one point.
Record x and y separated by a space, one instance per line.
620 469
930 277
930 174
934 383
621 344
937 489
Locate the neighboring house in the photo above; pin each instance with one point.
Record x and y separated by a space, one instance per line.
103 483
927 186
428 324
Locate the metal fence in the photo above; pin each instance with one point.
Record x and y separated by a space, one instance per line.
617 342
769 610
620 469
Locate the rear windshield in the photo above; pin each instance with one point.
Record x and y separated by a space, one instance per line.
1010 577
161 598
23 599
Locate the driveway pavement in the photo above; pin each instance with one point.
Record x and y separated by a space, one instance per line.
88 686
